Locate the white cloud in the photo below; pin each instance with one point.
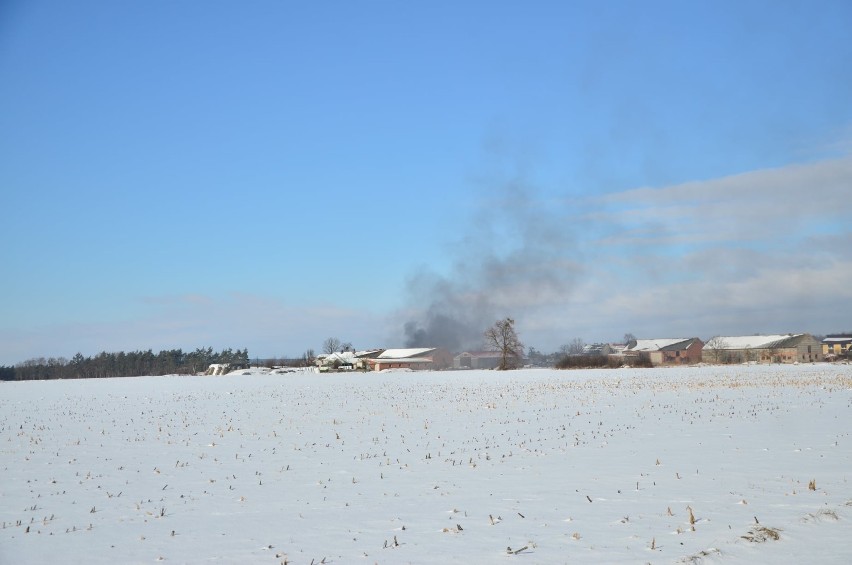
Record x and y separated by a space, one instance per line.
775 203
765 251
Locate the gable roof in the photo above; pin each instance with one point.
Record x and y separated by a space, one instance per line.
681 345
669 344
753 341
344 357
838 339
405 353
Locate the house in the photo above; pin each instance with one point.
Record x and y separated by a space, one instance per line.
415 359
603 349
666 351
346 360
789 348
837 345
337 361
477 360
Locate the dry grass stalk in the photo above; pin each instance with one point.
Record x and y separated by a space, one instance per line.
761 534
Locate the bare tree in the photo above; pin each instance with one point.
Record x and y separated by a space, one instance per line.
628 337
308 358
330 345
717 347
574 347
502 337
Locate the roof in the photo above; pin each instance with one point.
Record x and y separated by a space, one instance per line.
658 344
681 345
837 339
409 360
405 353
346 357
752 341
481 354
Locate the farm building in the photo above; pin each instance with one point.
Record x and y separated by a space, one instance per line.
667 351
837 345
598 349
345 360
477 360
416 359
337 361
790 348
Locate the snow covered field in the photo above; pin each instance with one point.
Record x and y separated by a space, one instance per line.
741 464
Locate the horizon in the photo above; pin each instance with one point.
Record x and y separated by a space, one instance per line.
561 350
267 176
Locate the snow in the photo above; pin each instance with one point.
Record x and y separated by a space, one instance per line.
656 344
342 357
404 353
752 341
218 369
453 467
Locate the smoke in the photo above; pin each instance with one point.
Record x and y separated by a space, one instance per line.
517 257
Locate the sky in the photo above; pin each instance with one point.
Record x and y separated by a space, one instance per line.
265 175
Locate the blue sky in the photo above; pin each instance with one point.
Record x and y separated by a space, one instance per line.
268 174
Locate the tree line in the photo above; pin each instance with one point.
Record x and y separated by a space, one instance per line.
123 364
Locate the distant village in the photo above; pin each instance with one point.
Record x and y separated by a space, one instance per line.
789 348
337 357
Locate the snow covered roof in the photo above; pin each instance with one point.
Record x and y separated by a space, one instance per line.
837 339
405 353
751 341
656 344
346 357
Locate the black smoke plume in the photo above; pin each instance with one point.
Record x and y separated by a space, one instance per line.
518 257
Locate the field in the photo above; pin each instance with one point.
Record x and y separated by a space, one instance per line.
738 464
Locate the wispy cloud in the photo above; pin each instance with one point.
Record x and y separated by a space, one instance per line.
760 251
757 206
177 300
763 251
266 325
